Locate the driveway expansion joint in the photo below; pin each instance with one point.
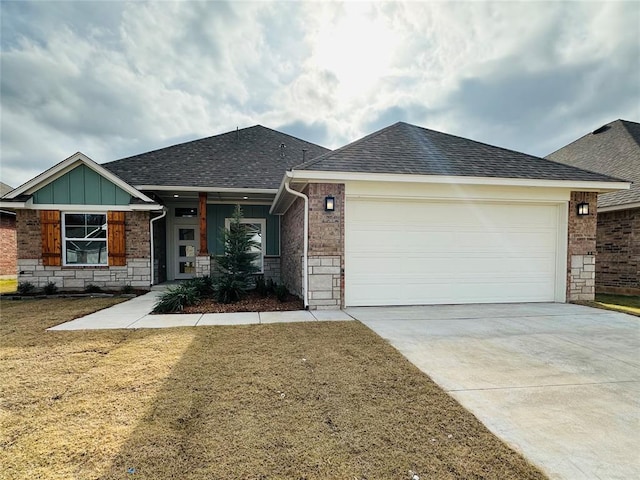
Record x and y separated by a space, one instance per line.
553 385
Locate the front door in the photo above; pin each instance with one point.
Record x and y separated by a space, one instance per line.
186 246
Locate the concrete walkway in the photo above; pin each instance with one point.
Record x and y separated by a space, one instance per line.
560 383
135 313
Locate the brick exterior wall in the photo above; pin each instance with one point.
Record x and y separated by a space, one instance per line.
28 234
326 247
135 273
618 247
581 248
8 246
292 247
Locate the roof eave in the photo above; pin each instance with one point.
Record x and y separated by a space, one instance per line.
613 208
337 176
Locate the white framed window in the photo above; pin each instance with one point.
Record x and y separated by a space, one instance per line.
84 239
257 229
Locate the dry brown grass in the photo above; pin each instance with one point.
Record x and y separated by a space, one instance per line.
295 401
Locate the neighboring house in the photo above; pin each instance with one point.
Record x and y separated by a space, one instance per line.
403 216
613 149
8 247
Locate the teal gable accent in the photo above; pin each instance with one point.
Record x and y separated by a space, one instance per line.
216 215
81 186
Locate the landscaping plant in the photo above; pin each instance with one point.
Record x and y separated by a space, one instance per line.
236 267
50 288
176 298
25 288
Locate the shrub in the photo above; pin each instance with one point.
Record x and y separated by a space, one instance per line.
202 285
175 299
91 288
261 286
236 266
25 288
127 288
281 292
50 288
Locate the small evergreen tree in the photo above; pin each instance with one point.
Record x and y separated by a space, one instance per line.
236 266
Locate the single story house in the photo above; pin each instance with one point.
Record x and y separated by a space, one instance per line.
613 149
403 216
8 250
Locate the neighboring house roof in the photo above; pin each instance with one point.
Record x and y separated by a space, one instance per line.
252 158
4 189
613 149
408 149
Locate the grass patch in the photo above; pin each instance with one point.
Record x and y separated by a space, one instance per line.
312 401
621 303
8 285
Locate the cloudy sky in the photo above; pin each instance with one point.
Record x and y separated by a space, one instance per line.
113 79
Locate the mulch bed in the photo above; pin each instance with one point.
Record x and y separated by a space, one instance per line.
253 302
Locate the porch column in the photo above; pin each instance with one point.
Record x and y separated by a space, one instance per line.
203 223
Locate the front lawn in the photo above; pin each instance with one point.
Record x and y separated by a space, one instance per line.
313 401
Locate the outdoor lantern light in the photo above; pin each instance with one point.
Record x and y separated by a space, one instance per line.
329 204
583 208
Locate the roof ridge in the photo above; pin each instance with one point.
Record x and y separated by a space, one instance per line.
324 156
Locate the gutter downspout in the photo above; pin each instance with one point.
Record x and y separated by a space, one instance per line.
305 268
164 214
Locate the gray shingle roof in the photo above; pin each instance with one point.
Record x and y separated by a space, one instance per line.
408 149
247 158
613 149
4 189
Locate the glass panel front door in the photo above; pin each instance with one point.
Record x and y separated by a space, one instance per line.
186 251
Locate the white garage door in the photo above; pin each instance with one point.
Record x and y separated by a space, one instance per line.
426 252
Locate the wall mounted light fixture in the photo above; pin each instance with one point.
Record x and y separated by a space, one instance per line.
329 204
583 208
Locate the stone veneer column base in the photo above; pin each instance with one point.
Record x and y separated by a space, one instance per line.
582 278
272 269
136 273
325 282
203 265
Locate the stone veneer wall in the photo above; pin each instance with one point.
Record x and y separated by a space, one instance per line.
292 247
618 246
326 247
8 246
581 249
135 273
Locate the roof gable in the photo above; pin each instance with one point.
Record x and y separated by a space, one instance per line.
408 149
248 158
71 164
613 149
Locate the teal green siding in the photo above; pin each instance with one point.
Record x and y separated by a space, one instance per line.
82 186
216 215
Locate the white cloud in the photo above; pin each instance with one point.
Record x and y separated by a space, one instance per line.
113 78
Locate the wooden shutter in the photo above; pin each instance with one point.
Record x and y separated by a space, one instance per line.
116 236
51 238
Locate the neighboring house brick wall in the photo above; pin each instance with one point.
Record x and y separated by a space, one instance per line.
292 247
8 247
581 248
326 247
135 273
618 246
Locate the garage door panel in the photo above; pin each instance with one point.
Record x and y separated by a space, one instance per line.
420 252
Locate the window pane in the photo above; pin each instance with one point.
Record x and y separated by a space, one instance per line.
86 252
187 251
74 218
186 212
186 234
74 232
187 267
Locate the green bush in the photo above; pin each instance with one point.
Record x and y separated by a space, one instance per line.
175 299
50 288
236 266
202 285
91 288
261 286
127 288
281 292
25 288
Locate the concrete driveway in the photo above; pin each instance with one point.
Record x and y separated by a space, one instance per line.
560 383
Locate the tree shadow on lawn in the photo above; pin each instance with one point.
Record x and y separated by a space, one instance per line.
321 400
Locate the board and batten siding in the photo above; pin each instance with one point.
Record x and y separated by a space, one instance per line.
216 215
81 186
